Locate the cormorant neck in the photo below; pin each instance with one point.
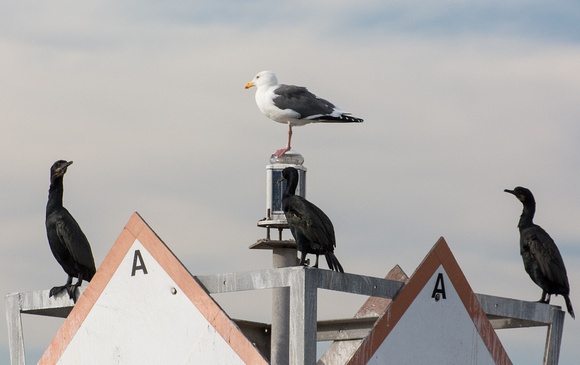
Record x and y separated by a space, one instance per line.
527 217
55 193
291 185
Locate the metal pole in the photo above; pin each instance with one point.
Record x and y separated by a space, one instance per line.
279 355
15 333
554 337
303 326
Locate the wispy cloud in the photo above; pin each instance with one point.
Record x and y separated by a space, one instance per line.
460 101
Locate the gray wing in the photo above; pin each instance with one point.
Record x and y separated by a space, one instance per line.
302 101
70 233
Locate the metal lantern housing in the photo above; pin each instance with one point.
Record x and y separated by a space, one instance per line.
275 189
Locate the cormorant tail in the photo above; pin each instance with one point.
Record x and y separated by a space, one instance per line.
569 306
332 262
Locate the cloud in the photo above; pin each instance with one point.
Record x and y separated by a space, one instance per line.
149 102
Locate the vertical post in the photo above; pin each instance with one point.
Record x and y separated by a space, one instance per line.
303 317
554 337
15 333
282 256
279 344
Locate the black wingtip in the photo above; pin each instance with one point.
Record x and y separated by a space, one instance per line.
341 119
351 119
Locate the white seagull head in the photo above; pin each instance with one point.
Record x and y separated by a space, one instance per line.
264 78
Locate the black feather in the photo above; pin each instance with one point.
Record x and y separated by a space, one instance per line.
68 243
542 259
311 228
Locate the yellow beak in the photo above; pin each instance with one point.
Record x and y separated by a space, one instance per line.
249 85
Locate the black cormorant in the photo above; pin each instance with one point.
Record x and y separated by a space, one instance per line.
68 243
311 228
542 259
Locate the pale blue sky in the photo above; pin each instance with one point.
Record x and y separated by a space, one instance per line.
460 99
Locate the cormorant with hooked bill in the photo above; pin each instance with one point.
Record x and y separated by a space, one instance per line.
542 259
68 243
311 228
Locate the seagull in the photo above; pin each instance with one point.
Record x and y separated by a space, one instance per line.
294 105
542 259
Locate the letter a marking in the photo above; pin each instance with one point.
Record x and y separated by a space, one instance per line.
439 287
141 265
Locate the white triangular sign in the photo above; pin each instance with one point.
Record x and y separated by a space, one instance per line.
436 319
144 307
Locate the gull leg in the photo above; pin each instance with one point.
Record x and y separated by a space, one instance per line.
282 151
